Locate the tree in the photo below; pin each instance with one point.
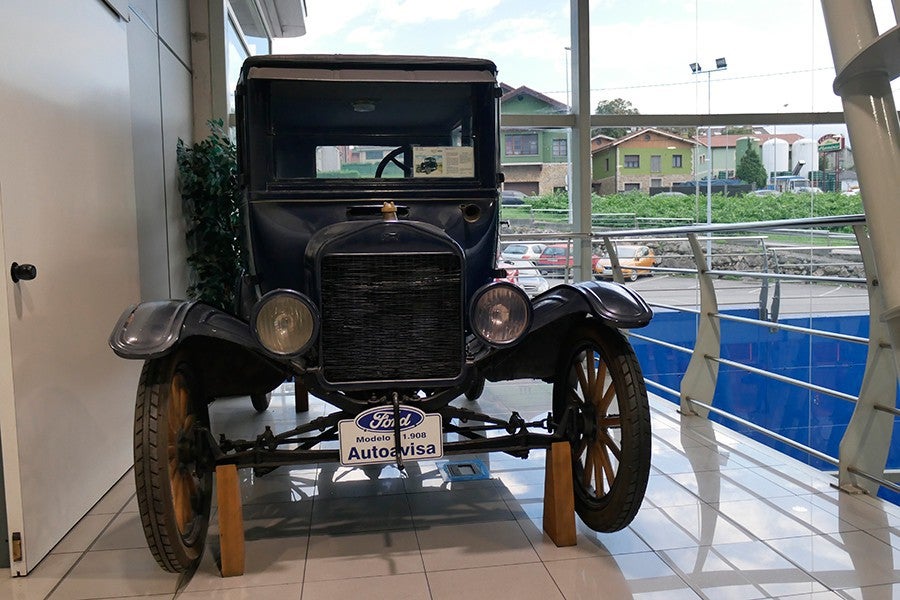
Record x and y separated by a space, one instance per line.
616 106
751 169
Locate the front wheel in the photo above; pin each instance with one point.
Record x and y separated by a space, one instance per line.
172 476
600 403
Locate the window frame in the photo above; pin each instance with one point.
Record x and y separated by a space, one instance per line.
510 140
556 145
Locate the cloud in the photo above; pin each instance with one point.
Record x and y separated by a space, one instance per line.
419 11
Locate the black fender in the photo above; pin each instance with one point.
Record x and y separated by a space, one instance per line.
220 346
556 311
613 303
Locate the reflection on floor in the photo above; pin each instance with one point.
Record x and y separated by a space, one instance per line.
723 518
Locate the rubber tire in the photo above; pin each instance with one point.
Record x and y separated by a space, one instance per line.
617 507
260 402
633 276
477 388
174 551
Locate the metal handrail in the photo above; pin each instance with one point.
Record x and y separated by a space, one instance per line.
696 399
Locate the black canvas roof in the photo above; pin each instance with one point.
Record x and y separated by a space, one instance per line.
365 61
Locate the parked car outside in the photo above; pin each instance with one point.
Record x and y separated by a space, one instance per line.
766 192
512 197
629 258
553 259
524 274
807 189
523 251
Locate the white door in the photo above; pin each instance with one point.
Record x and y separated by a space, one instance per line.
67 207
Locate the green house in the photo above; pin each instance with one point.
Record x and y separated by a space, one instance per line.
533 161
644 159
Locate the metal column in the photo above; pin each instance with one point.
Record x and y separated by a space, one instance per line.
580 151
865 64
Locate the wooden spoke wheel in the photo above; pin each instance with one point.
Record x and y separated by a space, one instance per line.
600 402
172 475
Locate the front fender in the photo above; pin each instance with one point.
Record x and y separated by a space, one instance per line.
153 329
613 303
555 313
220 346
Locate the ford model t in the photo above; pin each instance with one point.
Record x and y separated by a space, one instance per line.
371 218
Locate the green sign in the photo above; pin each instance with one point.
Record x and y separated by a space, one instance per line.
834 146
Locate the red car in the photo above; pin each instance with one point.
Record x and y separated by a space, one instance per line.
553 259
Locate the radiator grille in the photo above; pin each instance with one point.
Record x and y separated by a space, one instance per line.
391 317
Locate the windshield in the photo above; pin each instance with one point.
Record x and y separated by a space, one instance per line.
365 129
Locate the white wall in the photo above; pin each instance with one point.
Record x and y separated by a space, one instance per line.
93 107
159 58
67 206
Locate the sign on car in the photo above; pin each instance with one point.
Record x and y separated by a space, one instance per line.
369 438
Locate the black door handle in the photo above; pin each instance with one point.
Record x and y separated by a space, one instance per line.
22 272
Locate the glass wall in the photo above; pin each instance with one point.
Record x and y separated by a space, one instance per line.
669 83
237 48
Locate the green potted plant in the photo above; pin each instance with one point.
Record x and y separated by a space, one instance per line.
211 205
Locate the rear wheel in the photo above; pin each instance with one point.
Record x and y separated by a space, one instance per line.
474 392
172 476
260 401
599 383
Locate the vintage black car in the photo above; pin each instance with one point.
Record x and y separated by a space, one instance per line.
378 295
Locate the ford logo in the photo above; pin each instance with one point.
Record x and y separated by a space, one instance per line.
381 418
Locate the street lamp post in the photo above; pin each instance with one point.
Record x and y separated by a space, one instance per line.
696 69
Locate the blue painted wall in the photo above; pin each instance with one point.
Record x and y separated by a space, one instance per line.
815 419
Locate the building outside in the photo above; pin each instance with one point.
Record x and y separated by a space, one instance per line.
780 154
726 151
533 161
640 160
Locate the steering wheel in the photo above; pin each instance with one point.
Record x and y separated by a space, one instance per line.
391 157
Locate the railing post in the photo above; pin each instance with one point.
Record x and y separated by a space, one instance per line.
699 381
867 440
871 117
613 260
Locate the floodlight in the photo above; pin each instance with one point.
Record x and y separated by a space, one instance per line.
696 68
721 64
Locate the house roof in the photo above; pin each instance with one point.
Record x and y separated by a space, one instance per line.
730 140
509 92
611 142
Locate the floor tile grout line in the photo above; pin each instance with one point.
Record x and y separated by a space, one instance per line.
421 554
309 531
94 541
765 543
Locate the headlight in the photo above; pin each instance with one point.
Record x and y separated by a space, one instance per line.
285 323
501 314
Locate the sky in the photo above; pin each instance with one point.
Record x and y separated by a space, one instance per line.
777 51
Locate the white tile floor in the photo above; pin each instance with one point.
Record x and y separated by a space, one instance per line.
723 518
